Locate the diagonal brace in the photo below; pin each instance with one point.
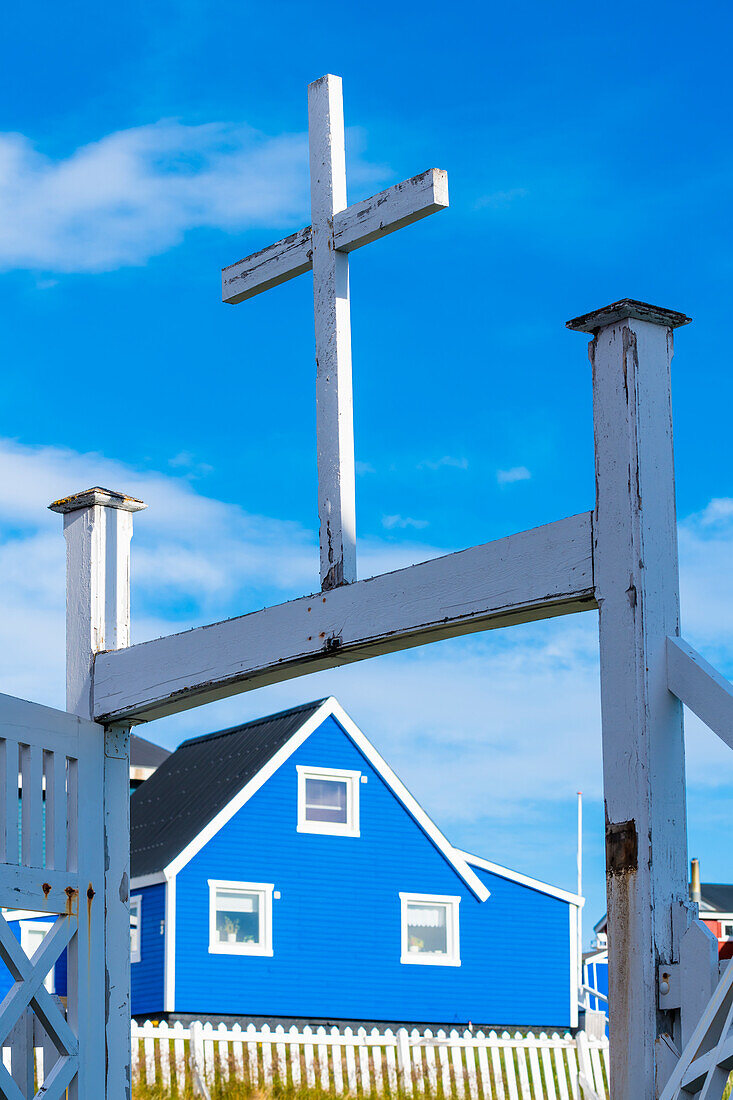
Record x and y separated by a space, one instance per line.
701 688
29 975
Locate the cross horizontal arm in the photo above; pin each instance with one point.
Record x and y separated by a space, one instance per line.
701 688
533 575
358 225
401 205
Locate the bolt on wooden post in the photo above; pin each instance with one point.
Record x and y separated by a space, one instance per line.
637 589
98 529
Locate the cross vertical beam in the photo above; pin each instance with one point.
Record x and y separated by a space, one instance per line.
637 588
98 529
335 422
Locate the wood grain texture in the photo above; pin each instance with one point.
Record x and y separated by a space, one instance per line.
636 575
359 224
537 574
332 312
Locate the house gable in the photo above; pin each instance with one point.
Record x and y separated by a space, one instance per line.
311 718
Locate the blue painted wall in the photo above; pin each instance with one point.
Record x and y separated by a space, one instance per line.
336 927
147 976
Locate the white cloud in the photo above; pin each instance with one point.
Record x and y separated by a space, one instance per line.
447 460
516 473
135 193
390 522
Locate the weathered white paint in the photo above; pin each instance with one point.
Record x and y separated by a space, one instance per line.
637 590
701 688
359 224
537 574
98 529
323 247
707 1059
65 881
334 414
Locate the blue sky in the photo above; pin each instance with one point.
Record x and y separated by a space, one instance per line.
144 147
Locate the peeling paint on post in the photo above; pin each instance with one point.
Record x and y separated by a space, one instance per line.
637 589
98 529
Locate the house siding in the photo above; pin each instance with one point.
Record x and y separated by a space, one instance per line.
147 975
336 926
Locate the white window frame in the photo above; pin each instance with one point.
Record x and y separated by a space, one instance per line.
265 890
27 928
136 902
330 828
453 936
726 920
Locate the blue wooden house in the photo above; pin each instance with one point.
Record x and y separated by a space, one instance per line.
281 869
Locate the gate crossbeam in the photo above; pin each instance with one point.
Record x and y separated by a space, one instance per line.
701 688
537 574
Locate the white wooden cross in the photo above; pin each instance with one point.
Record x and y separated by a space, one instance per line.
324 247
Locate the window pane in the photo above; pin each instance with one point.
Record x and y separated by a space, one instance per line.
325 800
237 917
427 929
134 927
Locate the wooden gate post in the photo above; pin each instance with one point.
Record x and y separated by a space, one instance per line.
98 529
637 587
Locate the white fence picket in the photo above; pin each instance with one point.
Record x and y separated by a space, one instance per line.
509 1069
444 1062
149 1044
463 1066
390 1056
280 1049
418 1065
535 1073
430 1065
522 1068
209 1054
266 1055
456 1057
223 1050
252 1059
165 1058
237 1052
560 1058
310 1068
377 1061
497 1067
294 1044
350 1062
550 1092
179 1055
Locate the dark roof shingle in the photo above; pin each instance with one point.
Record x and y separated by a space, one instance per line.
717 896
198 780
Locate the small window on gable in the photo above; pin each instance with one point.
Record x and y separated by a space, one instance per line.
135 930
430 930
240 918
726 930
328 801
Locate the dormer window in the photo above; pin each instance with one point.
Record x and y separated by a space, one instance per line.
328 801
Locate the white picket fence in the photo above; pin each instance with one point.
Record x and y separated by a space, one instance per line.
471 1065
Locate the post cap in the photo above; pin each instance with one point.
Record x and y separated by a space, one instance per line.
106 497
627 307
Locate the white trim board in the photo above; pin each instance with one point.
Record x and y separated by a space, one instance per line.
169 946
523 880
332 708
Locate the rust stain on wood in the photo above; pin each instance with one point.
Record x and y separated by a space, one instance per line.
622 848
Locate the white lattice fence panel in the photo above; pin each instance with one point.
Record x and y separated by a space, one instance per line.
52 864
